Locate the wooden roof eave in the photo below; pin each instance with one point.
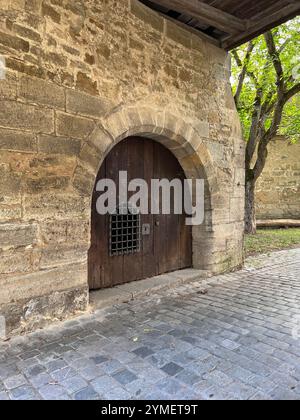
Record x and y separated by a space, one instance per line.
229 31
263 24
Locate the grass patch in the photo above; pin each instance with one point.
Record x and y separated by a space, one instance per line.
268 240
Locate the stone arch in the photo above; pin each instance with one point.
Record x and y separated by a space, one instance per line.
184 141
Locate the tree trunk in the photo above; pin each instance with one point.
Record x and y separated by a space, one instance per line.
250 213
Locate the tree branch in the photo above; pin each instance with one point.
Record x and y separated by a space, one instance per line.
269 104
267 137
253 136
278 106
272 105
274 54
244 71
292 92
282 46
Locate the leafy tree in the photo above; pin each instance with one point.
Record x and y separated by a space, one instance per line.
266 83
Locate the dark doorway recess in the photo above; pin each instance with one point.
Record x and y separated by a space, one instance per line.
134 247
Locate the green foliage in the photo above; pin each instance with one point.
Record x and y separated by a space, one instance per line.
290 125
261 74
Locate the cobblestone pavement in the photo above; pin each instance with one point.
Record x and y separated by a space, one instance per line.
237 339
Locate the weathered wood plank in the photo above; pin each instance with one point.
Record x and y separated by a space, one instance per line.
262 23
206 14
242 21
194 31
278 223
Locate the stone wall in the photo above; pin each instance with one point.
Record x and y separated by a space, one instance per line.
278 189
82 75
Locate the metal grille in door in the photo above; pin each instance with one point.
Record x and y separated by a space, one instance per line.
124 232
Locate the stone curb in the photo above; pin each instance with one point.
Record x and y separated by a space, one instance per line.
122 294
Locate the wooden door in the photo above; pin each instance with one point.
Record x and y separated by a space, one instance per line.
165 242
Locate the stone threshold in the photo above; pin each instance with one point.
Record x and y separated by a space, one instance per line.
124 293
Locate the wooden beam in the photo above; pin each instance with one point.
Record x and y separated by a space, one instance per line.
205 14
194 31
278 223
262 23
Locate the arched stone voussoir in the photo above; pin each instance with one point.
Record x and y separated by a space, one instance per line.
171 130
174 132
101 139
83 181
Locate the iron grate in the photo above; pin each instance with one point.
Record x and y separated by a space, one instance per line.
125 232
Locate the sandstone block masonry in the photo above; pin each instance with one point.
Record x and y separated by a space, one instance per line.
278 189
81 76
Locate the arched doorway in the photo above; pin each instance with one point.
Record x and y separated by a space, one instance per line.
134 247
